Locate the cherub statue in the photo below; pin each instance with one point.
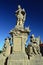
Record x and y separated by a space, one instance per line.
21 16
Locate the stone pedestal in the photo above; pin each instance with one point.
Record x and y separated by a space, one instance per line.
6 48
17 59
2 59
18 56
19 37
36 60
18 45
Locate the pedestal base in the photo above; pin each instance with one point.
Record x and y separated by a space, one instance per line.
36 60
2 59
18 59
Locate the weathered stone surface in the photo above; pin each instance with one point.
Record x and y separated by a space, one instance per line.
36 60
2 59
21 16
18 59
6 48
33 46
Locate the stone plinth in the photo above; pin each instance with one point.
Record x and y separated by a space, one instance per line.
17 59
36 60
19 38
17 46
18 56
2 59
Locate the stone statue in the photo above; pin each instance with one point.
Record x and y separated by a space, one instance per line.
32 38
38 43
6 48
21 16
34 46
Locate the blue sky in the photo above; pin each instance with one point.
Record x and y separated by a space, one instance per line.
34 19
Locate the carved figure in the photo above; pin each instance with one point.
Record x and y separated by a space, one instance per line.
21 16
6 48
34 48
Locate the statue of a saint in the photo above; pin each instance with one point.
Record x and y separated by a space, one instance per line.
6 48
34 47
21 16
35 44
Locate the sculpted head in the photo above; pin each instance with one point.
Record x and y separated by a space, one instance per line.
19 6
32 36
7 40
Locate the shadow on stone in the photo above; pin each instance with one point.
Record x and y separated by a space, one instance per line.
11 50
41 50
6 61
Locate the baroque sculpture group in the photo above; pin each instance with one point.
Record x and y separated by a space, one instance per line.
16 53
